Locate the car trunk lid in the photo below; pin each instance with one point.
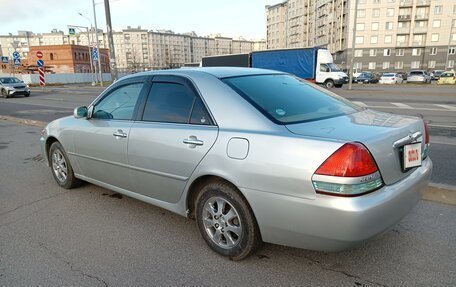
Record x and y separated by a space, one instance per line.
376 130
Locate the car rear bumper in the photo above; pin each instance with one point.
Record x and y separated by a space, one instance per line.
331 223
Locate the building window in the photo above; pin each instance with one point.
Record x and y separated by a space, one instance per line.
376 1
358 53
450 64
359 40
415 65
372 65
375 26
399 65
452 51
431 64
388 39
374 40
416 51
436 24
376 12
438 9
434 37
389 25
433 51
386 52
373 52
386 65
400 52
390 12
360 26
361 13
358 65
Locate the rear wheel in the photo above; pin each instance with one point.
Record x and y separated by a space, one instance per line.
61 167
226 222
329 84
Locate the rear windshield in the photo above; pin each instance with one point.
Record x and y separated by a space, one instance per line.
420 73
389 75
285 99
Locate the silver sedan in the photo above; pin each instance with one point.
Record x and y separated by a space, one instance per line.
253 155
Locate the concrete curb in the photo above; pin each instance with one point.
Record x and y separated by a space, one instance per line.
435 192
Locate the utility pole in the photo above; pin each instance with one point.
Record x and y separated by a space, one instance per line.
97 45
449 43
352 57
112 54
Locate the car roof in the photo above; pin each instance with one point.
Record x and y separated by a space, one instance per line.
218 72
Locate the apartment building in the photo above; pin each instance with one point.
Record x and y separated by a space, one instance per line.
391 35
137 49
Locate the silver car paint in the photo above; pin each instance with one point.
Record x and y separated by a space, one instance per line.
275 177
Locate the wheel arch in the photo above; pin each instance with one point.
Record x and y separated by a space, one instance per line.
49 141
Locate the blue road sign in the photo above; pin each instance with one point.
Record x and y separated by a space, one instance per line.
95 54
17 62
4 60
16 55
40 63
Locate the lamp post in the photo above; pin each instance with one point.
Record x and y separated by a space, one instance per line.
352 57
112 54
90 52
91 59
449 42
97 44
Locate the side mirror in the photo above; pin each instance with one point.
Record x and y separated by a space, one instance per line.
80 112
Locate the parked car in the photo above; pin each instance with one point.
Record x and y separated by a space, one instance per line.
447 78
419 76
391 78
12 86
435 75
367 78
254 155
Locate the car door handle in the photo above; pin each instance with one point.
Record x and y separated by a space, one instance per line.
193 142
120 134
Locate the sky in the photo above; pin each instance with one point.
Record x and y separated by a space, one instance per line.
230 18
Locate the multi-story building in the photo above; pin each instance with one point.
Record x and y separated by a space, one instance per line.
135 48
391 35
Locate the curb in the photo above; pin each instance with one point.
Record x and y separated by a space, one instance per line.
435 192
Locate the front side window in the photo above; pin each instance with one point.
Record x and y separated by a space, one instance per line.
119 104
285 99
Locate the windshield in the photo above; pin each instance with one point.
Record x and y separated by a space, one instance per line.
10 80
285 99
333 67
416 73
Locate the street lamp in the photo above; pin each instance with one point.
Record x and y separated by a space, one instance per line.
90 52
352 57
449 41
96 42
92 64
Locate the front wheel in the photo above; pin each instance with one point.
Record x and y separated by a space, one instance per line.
61 167
329 84
5 93
27 95
226 222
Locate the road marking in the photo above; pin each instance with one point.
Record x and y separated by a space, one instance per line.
52 99
448 107
361 104
402 106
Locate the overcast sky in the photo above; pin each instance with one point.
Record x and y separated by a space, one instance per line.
232 18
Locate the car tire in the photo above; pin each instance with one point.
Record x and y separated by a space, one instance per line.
61 168
27 95
329 84
5 93
338 86
226 221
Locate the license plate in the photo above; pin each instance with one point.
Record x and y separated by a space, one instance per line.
412 155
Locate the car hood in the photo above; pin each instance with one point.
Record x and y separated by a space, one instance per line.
376 130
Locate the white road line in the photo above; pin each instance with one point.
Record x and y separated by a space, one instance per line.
448 107
402 106
361 104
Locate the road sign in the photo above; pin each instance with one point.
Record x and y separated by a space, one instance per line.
71 31
95 54
42 80
39 54
40 63
17 62
4 60
16 55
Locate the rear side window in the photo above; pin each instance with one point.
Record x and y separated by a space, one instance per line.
285 99
174 103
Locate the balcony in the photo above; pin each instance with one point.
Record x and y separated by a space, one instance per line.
406 3
402 18
419 43
421 3
421 17
404 30
420 30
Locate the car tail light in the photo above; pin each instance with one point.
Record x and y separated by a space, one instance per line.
350 171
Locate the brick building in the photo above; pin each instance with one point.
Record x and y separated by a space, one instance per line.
67 58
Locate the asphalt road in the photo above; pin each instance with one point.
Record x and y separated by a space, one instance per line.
437 104
92 237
